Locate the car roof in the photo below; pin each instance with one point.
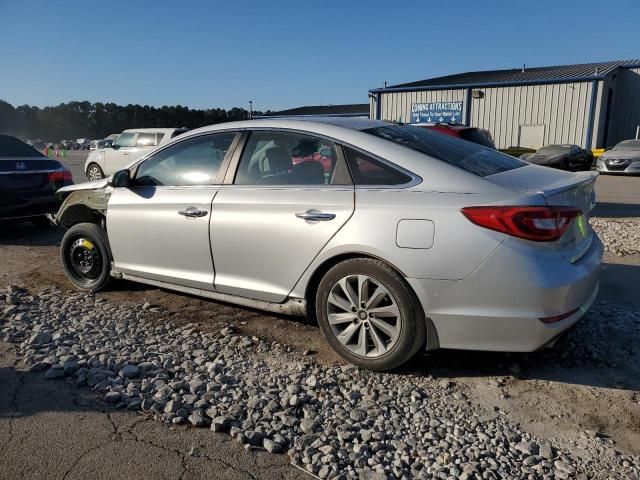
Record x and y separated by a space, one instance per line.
327 126
153 130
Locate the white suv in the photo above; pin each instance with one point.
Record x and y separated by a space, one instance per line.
130 145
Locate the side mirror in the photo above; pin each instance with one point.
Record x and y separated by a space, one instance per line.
115 146
122 178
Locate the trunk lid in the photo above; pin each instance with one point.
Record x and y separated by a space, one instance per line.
24 178
559 188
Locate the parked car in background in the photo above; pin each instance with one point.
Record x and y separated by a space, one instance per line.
565 157
623 158
471 134
129 146
83 143
396 238
96 144
518 152
28 181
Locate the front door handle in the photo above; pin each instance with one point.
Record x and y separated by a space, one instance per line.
316 216
192 212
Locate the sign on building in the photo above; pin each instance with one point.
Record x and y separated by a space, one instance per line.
436 112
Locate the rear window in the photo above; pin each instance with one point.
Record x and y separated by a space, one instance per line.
468 156
477 136
12 147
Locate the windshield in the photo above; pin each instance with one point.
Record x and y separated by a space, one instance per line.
12 147
468 156
628 145
555 149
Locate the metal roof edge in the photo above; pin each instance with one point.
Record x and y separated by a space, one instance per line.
490 84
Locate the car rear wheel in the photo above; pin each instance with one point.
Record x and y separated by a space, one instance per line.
369 315
85 255
94 172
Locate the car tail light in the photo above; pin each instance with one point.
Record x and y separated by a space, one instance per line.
63 175
540 224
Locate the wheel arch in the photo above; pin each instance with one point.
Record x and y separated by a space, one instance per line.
311 287
86 206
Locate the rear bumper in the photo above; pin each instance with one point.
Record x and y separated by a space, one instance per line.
499 306
29 207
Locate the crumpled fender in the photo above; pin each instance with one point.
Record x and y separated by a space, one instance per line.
82 206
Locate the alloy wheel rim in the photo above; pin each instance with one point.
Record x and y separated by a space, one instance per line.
364 316
94 173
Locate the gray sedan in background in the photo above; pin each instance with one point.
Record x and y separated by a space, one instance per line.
623 158
394 238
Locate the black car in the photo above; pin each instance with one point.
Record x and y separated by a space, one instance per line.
28 181
563 157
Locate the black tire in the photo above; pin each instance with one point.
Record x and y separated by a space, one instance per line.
87 265
412 334
98 171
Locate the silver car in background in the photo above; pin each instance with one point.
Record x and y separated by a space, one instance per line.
394 238
623 158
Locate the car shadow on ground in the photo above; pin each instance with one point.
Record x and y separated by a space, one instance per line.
29 234
615 210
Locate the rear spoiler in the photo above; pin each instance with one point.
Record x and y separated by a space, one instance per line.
588 177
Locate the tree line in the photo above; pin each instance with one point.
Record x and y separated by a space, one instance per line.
97 120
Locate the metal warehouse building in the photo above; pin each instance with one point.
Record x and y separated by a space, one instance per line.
592 105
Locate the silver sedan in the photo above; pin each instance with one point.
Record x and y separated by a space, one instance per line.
394 238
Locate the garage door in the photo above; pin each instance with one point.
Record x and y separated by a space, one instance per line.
531 136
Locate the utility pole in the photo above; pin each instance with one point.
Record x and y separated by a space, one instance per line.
250 110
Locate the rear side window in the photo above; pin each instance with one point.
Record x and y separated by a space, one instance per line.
369 171
146 139
468 156
12 147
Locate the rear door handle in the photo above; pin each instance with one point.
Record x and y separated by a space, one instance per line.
192 212
316 216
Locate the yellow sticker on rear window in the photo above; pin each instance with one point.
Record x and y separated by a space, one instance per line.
87 244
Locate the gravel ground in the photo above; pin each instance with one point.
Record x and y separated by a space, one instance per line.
619 235
333 421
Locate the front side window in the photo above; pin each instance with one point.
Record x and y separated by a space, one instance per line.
468 156
145 139
280 158
126 139
192 162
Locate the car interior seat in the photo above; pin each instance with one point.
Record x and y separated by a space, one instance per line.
309 172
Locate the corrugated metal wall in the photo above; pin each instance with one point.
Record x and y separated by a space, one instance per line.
563 109
625 115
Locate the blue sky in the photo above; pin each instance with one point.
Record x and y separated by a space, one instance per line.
282 54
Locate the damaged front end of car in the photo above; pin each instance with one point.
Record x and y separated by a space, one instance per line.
85 202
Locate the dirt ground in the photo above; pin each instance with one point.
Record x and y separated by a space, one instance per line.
564 403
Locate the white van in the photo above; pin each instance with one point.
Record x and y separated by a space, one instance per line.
130 145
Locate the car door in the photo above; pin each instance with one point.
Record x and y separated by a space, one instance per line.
158 228
117 157
288 196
